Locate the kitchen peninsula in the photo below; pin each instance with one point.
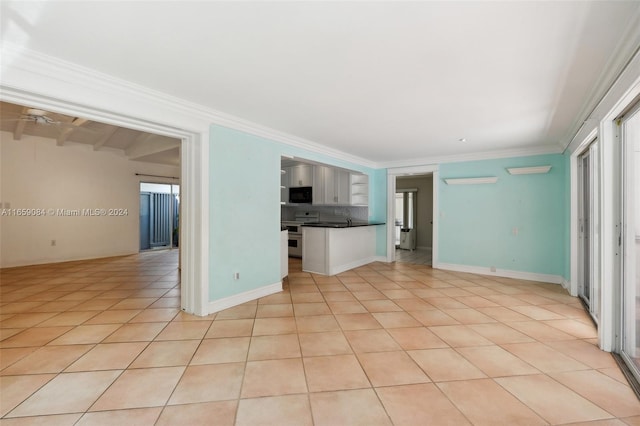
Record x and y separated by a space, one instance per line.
330 247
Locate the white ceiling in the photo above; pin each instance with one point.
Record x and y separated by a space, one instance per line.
385 81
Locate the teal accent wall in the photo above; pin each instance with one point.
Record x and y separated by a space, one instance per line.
245 208
476 221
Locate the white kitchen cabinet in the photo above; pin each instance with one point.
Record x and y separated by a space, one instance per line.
300 175
359 189
331 186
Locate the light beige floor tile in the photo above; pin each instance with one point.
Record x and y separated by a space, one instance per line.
540 331
551 400
26 320
308 309
500 333
66 393
496 362
338 296
275 299
433 317
271 326
134 416
274 347
293 410
391 369
371 341
303 297
217 351
348 407
113 317
575 328
612 396
503 314
108 356
412 305
47 359
406 406
184 330
335 372
484 402
49 420
84 334
149 387
10 356
238 312
68 318
537 313
274 310
155 315
143 332
37 336
445 303
212 382
445 364
15 389
134 303
166 354
469 316
273 377
346 308
584 352
543 357
459 335
357 321
230 328
324 343
416 338
395 319
314 324
381 306
199 414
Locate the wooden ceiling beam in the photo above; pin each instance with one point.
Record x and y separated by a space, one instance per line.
104 138
62 137
17 133
148 143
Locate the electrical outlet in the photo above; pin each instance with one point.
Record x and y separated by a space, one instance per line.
236 275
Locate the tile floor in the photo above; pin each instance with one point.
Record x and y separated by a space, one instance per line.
103 343
419 256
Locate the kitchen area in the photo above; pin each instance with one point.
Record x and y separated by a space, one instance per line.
325 217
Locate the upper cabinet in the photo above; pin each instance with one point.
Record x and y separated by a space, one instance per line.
330 185
300 175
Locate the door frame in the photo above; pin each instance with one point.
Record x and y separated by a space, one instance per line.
392 174
194 159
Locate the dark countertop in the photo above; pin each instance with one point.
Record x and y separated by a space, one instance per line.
341 224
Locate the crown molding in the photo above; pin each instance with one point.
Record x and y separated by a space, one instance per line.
617 63
18 58
476 156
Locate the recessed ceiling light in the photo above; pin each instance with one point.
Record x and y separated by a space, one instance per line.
462 139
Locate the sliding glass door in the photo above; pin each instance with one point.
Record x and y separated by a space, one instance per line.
588 201
629 131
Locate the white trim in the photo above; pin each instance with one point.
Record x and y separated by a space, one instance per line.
520 275
21 57
240 298
475 156
566 285
471 181
380 259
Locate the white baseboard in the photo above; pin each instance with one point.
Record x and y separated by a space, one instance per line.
247 296
34 262
505 273
566 284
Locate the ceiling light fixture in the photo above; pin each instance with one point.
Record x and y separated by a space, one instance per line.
462 139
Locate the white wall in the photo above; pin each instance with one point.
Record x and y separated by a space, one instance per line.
35 173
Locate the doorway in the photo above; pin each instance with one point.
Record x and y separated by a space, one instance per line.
159 216
413 218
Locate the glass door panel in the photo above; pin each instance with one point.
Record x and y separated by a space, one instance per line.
630 135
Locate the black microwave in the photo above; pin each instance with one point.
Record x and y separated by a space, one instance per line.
300 195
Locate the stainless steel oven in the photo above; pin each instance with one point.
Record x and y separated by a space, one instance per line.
295 231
